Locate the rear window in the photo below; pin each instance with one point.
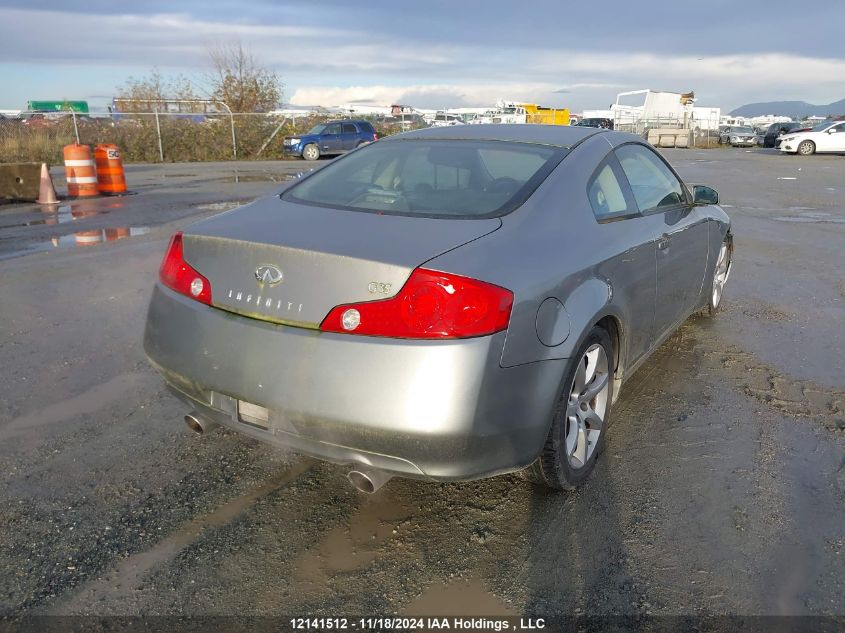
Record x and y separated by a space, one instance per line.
431 178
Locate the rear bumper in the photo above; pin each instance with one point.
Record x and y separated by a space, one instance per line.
442 410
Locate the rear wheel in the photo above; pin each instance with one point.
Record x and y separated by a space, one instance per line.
805 148
311 152
580 418
720 277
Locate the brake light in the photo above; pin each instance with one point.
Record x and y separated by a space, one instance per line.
375 136
431 305
178 275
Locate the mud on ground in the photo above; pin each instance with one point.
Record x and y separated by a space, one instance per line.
721 489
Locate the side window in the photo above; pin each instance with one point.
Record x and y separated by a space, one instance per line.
348 128
334 128
653 183
606 195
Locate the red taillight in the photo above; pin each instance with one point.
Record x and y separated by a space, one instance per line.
178 275
431 304
375 137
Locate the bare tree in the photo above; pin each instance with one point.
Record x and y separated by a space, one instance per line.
240 81
156 87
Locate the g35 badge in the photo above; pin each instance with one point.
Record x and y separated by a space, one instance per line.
377 288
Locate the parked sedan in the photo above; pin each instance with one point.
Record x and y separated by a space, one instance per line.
827 136
449 303
737 136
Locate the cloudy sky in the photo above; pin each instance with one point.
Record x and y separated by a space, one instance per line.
432 53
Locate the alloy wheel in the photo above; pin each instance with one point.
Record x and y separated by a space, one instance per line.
720 275
587 406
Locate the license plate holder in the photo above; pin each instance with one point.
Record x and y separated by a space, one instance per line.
253 414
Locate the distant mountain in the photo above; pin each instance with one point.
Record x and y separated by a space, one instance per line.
790 108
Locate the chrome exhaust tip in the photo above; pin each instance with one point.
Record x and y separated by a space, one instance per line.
368 480
198 424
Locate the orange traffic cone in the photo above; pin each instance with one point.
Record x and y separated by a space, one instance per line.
46 192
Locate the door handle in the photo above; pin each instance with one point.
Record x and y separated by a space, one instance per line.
663 242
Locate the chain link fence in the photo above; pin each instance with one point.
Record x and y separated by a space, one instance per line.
184 137
160 136
705 132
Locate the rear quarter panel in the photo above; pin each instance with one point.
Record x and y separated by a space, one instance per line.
552 246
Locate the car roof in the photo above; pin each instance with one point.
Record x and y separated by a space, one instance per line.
347 121
559 135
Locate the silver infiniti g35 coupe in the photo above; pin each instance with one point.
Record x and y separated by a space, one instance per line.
450 303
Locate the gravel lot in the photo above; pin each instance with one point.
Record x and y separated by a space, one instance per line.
721 489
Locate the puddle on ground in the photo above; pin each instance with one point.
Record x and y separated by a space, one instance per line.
469 597
80 238
347 548
97 397
239 178
68 213
810 217
220 206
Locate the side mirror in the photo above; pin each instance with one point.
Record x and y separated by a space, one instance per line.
832 130
704 195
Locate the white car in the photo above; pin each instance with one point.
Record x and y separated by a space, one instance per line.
827 136
443 119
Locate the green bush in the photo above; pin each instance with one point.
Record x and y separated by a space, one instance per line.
182 139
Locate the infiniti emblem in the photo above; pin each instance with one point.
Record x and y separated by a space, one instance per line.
268 274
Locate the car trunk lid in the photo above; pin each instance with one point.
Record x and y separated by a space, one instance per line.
289 263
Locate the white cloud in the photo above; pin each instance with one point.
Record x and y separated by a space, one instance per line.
329 66
462 94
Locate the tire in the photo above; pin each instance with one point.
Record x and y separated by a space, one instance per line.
720 276
806 148
311 152
572 446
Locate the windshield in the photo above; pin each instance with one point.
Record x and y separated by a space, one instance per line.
431 178
821 127
741 130
317 129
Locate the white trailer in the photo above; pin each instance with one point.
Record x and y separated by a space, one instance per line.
706 118
636 110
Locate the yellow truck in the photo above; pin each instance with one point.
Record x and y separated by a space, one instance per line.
515 112
545 116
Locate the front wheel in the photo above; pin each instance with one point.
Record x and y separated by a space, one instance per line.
580 417
805 148
311 152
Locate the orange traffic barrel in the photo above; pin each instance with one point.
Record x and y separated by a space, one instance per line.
79 171
117 234
88 238
110 176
